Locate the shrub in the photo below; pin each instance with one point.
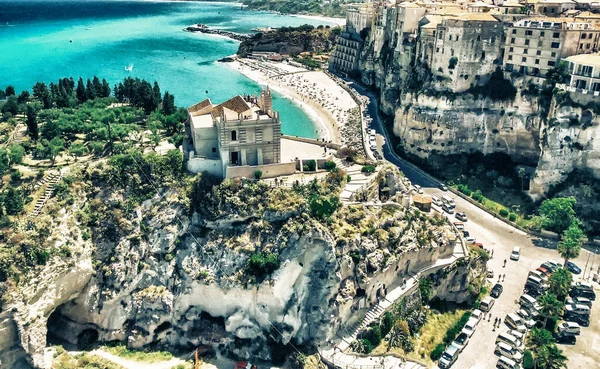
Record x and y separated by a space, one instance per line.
373 335
348 179
456 328
503 213
464 189
258 174
452 62
262 264
527 359
323 207
477 196
425 286
311 164
368 169
437 352
512 217
330 165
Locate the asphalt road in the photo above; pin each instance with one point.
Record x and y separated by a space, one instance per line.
501 238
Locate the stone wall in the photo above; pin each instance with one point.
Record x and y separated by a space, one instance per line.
199 165
268 170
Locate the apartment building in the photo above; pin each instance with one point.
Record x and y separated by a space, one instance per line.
344 58
467 48
588 17
534 46
554 8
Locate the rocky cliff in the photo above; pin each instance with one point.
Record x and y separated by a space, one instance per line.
151 275
291 41
541 129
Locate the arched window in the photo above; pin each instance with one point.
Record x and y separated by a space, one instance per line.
233 136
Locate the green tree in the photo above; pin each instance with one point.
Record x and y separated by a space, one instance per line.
558 74
42 93
105 91
11 106
324 206
90 92
23 97
16 153
80 92
168 104
550 307
558 214
571 241
559 283
538 338
13 201
32 124
9 91
551 357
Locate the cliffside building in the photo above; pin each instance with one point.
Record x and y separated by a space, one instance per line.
467 48
244 131
349 43
585 73
534 46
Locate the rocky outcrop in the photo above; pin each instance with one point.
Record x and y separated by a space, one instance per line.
291 41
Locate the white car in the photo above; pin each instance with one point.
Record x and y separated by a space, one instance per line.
577 309
579 300
527 321
372 132
470 327
516 253
569 327
461 341
419 189
477 314
518 335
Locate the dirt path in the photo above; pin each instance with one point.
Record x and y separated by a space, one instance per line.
130 364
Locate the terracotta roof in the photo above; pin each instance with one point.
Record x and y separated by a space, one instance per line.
236 104
201 108
478 17
587 15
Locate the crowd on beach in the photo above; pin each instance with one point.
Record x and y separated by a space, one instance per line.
313 88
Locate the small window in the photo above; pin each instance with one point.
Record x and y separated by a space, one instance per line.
512 40
587 46
483 55
537 61
478 37
542 34
539 52
583 36
511 49
510 57
525 51
514 31
233 136
214 149
551 63
524 60
555 45
540 43
449 37
580 46
456 38
437 49
526 42
528 33
556 34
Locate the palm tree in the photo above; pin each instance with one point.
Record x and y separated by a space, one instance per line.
559 283
550 306
537 338
551 357
571 241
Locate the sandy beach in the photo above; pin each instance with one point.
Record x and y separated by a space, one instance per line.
337 21
326 103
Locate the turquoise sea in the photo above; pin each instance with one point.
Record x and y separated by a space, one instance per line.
43 40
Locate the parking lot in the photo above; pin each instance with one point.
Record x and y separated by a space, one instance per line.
500 237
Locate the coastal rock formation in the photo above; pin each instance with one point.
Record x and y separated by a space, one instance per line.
291 41
151 275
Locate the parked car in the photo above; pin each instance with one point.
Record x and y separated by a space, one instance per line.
502 349
551 266
577 309
569 327
520 336
372 132
538 274
532 290
513 321
573 268
436 201
477 314
506 363
511 339
527 321
582 320
419 189
568 339
547 272
459 225
579 301
461 341
461 216
447 208
470 327
443 187
468 236
486 304
589 294
516 253
496 290
448 357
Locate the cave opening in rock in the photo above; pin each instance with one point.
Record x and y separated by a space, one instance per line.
87 338
71 335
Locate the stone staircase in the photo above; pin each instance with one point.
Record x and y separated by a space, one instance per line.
357 180
51 179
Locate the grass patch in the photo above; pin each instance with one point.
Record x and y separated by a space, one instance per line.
147 357
82 361
431 335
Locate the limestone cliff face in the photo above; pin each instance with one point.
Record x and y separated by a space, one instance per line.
155 276
438 125
571 140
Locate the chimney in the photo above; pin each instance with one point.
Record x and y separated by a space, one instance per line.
266 101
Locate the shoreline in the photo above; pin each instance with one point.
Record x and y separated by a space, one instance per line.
328 126
339 22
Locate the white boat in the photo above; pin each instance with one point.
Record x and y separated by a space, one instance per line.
129 68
